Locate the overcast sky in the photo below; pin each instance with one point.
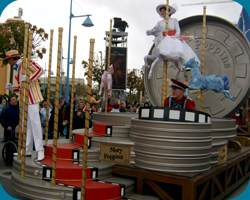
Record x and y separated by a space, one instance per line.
140 15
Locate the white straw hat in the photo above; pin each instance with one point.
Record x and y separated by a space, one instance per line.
173 8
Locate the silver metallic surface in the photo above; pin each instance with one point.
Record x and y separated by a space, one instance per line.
171 146
227 52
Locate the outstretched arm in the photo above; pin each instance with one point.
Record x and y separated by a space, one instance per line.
154 30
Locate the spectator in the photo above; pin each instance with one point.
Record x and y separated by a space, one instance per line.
10 118
51 103
43 120
61 122
93 99
2 104
110 105
123 107
44 109
116 108
146 104
79 116
136 106
67 112
128 109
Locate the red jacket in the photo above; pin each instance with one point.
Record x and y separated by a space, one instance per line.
189 104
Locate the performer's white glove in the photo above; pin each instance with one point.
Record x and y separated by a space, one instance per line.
9 86
23 78
191 37
148 32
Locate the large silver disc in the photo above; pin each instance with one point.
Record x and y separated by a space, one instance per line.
227 52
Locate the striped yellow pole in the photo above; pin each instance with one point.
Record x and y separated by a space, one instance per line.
55 135
25 48
48 86
108 64
246 108
203 53
165 67
26 104
72 88
87 116
187 78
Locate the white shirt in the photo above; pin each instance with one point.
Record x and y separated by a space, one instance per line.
43 112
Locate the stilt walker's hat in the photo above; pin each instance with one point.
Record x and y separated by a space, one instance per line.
178 84
12 54
173 8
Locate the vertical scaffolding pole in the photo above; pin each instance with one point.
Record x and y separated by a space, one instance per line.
55 135
48 86
203 53
165 67
26 104
86 133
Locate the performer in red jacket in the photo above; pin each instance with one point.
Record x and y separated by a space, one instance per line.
178 100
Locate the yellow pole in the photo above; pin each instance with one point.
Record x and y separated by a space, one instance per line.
48 86
72 88
187 78
165 67
203 53
55 135
140 98
26 104
22 91
246 108
86 133
108 64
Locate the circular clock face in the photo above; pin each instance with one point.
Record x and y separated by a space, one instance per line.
226 52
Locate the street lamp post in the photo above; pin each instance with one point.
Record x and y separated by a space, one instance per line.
70 62
86 23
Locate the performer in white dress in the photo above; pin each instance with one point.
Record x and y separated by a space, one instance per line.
159 31
171 47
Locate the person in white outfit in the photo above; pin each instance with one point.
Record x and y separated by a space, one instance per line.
34 129
170 46
159 31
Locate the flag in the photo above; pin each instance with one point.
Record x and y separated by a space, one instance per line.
244 23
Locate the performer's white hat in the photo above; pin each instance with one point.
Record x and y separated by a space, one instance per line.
173 8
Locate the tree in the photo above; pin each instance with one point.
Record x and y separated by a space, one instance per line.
140 82
81 90
131 82
99 66
12 37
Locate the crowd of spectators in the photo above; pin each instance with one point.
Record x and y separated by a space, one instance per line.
9 113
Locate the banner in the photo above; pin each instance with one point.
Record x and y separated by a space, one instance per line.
118 58
244 23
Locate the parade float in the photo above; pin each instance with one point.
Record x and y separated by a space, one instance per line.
159 153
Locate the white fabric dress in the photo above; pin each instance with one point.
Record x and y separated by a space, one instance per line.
160 28
171 48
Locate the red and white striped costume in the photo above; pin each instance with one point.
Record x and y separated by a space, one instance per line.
35 95
34 129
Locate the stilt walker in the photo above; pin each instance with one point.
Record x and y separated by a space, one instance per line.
108 64
48 86
203 54
72 88
55 136
86 133
165 67
23 84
